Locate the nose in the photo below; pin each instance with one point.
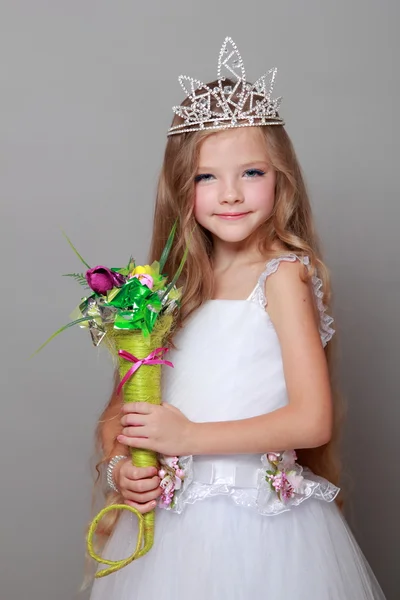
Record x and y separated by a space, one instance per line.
231 194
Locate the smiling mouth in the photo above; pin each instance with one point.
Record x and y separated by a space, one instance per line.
231 216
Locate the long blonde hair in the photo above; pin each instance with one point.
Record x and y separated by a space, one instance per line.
291 225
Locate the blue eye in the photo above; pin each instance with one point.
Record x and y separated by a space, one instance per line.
254 173
203 177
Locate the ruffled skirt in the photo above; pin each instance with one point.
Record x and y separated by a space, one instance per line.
217 550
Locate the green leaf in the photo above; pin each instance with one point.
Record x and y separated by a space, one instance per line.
60 331
75 250
177 274
126 270
79 278
179 271
131 264
168 246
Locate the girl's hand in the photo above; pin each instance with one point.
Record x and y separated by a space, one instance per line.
163 429
140 487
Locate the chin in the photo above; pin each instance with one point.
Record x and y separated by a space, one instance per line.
233 239
233 235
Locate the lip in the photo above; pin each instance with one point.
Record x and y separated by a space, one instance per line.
231 216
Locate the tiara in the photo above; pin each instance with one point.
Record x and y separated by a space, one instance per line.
226 106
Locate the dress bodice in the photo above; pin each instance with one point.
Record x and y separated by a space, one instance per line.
227 364
227 360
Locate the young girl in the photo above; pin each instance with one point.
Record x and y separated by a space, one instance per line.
251 379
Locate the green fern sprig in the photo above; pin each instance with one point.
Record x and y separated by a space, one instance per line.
79 278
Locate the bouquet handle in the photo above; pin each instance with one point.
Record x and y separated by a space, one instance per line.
140 360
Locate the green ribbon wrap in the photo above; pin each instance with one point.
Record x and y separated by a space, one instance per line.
143 386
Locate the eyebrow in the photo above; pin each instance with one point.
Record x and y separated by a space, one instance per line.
244 166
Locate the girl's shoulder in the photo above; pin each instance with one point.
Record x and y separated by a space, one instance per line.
273 264
291 271
290 265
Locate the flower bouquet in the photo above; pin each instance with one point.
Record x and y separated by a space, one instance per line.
131 310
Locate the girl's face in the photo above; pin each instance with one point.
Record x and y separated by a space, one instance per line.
235 184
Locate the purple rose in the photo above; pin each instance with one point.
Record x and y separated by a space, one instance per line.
101 279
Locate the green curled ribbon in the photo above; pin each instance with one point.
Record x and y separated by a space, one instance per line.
132 293
144 306
115 565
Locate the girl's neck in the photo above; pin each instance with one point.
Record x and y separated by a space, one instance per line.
227 256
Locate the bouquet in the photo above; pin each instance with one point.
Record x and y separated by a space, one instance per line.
131 310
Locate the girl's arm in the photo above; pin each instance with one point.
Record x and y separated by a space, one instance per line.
305 422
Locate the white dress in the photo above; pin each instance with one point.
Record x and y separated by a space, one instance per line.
229 536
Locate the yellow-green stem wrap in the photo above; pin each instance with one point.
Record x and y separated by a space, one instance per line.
143 386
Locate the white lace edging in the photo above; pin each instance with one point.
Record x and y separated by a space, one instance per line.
262 499
325 329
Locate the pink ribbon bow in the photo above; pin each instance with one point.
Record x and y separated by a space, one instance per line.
154 358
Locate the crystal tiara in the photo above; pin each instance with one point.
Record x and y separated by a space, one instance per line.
226 106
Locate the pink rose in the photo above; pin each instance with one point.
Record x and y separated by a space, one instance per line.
145 279
272 457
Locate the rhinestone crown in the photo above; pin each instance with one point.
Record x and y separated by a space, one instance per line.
226 106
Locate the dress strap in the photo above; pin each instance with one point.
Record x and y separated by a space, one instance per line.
258 295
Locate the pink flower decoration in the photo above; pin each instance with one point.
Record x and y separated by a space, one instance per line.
272 457
284 478
282 485
145 279
172 477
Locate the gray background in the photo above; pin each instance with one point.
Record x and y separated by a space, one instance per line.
85 93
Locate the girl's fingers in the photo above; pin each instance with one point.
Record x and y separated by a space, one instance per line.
137 431
132 472
134 442
142 485
142 508
141 408
142 498
134 420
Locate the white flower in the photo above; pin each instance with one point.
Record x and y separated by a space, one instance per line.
167 484
296 481
178 483
288 459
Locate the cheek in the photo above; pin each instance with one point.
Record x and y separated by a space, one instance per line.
203 202
262 196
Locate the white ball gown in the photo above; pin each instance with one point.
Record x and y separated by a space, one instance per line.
229 536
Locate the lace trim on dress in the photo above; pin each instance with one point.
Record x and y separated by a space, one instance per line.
260 498
258 295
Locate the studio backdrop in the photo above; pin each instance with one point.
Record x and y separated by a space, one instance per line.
86 90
